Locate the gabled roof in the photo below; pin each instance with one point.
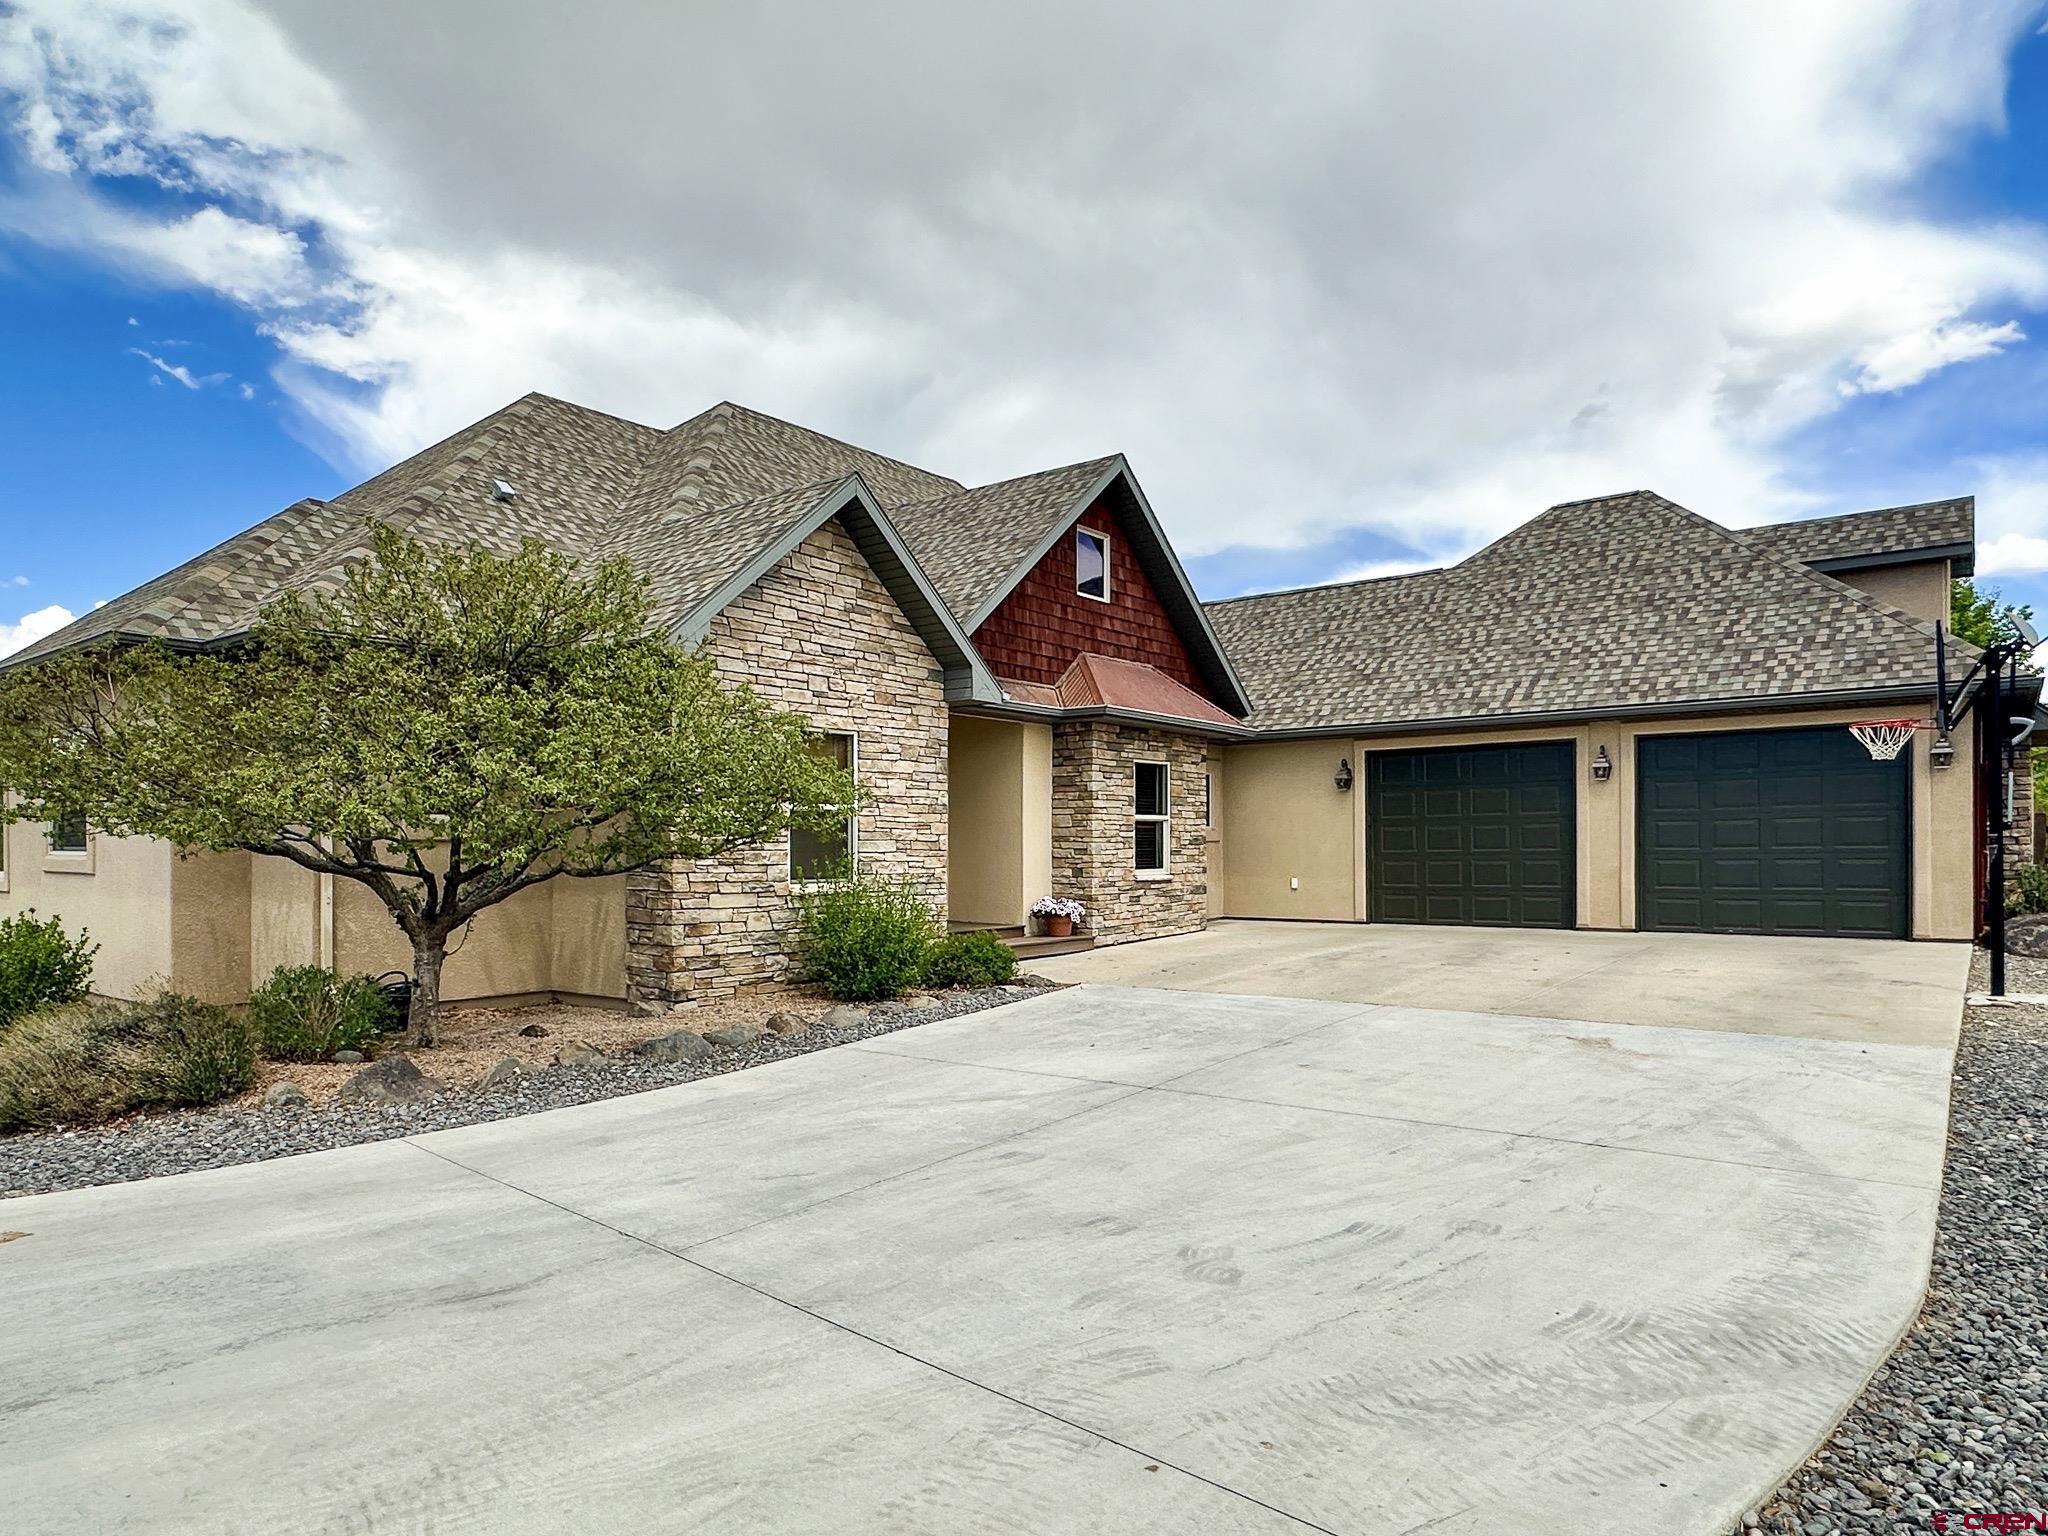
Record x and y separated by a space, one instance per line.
1927 530
727 491
1620 603
982 542
973 541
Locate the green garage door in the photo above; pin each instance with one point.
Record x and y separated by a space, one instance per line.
1770 832
1477 835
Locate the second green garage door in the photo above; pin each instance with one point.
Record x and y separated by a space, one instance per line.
1794 832
1476 835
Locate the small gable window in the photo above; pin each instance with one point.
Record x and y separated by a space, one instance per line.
1091 564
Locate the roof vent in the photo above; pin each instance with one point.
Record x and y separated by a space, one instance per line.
503 490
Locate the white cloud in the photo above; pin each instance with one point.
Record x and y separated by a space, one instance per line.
1248 247
17 581
178 371
1906 360
1374 570
31 627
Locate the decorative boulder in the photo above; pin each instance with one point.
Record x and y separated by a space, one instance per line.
394 1080
284 1095
348 1058
918 1000
674 1049
579 1053
504 1073
785 1024
844 1016
535 1032
736 1034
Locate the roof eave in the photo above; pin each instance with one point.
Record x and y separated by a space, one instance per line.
1960 557
1753 703
1012 709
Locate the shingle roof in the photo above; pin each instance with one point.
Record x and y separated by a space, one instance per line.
1619 602
689 505
969 540
1887 532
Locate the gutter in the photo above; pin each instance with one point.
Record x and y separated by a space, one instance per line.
1052 715
1708 706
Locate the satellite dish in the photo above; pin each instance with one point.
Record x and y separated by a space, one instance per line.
2026 630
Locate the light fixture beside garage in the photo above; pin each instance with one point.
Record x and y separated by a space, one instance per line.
1343 773
1603 766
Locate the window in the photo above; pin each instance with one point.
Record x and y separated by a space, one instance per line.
1091 564
67 835
828 855
1149 823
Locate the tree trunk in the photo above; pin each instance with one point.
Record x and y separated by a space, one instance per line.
424 1016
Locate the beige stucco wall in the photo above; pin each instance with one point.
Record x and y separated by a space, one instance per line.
1919 587
1283 820
999 803
1283 844
119 891
210 928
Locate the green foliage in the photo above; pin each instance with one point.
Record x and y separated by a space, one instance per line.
2030 890
447 728
864 939
1976 615
40 965
307 1013
969 960
91 1061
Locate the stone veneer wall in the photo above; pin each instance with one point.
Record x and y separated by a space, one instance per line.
1093 799
820 635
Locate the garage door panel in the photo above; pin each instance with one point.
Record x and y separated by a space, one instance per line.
1493 826
1802 833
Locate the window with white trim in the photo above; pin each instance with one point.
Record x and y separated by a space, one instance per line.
1150 822
68 835
830 854
1091 564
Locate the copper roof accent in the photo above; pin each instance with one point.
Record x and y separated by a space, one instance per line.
1106 682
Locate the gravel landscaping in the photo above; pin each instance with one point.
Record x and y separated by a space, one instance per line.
248 1131
1956 1422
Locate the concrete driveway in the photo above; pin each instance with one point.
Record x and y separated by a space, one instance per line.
1831 989
1108 1260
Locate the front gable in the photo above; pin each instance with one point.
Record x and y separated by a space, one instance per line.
1044 623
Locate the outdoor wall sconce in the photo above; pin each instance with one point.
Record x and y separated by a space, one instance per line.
1941 753
1343 773
1603 766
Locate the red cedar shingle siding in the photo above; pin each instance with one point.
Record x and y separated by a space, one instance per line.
1037 631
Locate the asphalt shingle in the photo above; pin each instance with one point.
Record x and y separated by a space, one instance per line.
1619 602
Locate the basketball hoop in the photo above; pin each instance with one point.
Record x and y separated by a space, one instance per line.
1886 739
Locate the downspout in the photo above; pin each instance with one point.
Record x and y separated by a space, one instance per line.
326 922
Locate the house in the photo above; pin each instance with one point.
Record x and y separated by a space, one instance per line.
1619 715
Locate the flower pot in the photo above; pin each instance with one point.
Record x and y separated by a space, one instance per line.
1058 927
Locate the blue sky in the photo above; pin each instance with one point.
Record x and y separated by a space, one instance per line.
241 263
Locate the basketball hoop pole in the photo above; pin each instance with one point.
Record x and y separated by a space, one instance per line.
1994 805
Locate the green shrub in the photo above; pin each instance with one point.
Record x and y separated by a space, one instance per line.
969 960
2030 890
40 965
91 1061
187 1052
864 939
307 1013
